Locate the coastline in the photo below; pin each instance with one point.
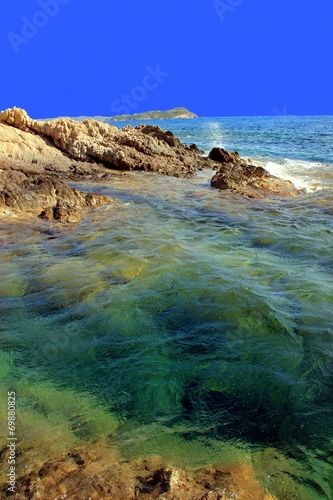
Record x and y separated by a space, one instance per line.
36 158
166 244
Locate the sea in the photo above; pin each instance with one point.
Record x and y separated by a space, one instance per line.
181 321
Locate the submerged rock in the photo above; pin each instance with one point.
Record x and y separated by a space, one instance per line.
69 282
239 176
99 474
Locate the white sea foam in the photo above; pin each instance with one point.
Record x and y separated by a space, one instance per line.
303 174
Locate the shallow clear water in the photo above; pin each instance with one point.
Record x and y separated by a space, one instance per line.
182 322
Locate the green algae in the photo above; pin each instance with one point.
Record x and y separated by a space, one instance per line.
172 444
207 343
70 281
286 477
12 282
52 418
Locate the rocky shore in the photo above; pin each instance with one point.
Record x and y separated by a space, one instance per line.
38 159
39 162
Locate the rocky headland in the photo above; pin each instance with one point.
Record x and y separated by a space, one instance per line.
38 159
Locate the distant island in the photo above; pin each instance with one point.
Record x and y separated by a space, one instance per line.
149 115
155 115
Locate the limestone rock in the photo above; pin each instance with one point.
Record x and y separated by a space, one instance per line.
145 147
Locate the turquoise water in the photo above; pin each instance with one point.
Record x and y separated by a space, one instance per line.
296 148
186 322
306 138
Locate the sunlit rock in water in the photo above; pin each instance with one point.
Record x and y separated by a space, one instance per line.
70 281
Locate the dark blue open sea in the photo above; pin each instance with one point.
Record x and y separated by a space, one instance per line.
182 321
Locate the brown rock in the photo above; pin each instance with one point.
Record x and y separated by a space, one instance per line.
45 196
160 134
222 156
237 175
48 213
64 212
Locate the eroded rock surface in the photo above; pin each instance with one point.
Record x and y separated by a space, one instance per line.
82 474
145 147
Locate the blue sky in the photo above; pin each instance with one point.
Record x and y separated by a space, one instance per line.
217 58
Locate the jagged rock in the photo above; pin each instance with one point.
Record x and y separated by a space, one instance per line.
145 147
237 175
160 134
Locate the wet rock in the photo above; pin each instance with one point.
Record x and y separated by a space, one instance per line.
239 176
45 196
222 156
48 213
64 212
157 483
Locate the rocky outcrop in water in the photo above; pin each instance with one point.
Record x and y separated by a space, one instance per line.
238 175
66 150
37 157
145 147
